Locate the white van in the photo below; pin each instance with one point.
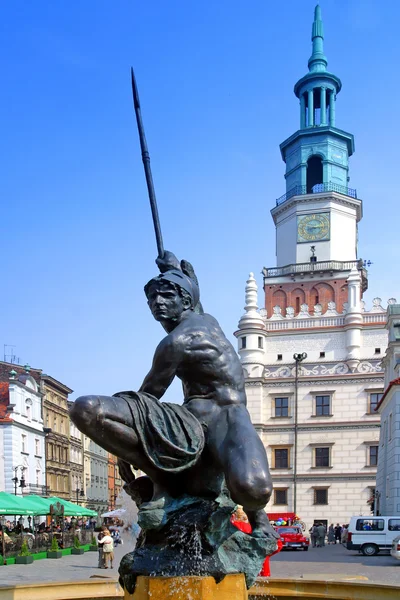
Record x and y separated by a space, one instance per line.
369 535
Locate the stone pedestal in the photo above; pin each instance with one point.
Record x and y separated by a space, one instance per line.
232 587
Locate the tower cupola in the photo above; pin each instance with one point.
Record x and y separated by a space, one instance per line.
318 89
317 155
316 219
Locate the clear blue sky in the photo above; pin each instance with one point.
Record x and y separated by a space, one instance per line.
216 81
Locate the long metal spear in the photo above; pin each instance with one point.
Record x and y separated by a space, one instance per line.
147 168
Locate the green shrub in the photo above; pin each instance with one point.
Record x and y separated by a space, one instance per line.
77 543
93 542
24 549
54 544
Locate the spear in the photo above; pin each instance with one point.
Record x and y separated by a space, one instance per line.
147 168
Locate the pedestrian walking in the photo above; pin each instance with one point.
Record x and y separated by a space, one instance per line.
108 549
338 533
321 533
331 534
313 535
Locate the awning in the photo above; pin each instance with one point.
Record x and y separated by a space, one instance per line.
73 510
117 513
14 505
282 515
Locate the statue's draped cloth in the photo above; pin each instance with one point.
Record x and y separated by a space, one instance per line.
171 436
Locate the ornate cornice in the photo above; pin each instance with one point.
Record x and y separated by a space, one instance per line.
322 369
328 477
317 426
307 382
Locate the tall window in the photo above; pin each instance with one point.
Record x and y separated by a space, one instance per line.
260 342
390 426
320 495
373 456
28 411
23 443
37 447
322 457
243 342
37 477
373 402
322 406
280 496
281 407
281 456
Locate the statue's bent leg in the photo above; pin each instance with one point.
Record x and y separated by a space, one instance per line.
236 444
108 421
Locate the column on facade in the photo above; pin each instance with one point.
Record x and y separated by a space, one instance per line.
323 105
311 108
353 320
332 108
302 111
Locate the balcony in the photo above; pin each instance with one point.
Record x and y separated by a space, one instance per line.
37 490
320 188
309 267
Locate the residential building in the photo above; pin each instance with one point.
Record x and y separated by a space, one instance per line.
22 439
114 481
387 496
95 466
312 356
56 423
76 463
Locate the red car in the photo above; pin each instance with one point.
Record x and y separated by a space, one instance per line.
292 537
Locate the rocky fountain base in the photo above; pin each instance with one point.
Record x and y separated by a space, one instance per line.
191 541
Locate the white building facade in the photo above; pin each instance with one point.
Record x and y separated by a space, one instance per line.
387 498
22 439
95 475
312 355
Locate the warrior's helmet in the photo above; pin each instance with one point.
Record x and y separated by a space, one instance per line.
180 280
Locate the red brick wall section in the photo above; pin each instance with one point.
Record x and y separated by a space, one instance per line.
295 294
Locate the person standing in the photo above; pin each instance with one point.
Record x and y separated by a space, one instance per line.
331 534
100 548
108 549
338 533
321 533
313 535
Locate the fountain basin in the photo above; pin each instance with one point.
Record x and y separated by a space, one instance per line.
283 589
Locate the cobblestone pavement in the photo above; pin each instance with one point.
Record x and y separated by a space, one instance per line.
330 562
336 562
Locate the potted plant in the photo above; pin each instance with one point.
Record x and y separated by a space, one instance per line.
77 547
24 557
93 545
55 551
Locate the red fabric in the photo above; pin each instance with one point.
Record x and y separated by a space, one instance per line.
246 528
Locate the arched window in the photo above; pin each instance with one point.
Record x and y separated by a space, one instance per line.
28 409
314 173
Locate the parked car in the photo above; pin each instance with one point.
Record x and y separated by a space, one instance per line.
395 549
293 537
371 535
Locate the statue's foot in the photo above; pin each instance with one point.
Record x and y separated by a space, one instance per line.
260 524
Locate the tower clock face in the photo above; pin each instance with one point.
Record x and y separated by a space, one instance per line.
313 228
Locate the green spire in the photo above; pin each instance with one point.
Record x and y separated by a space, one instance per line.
317 61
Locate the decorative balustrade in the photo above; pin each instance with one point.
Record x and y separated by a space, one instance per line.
319 188
328 265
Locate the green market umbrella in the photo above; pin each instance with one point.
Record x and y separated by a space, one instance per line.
14 505
73 510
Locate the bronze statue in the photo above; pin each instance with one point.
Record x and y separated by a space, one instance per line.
201 458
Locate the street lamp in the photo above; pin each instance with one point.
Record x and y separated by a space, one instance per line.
15 479
79 492
298 358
